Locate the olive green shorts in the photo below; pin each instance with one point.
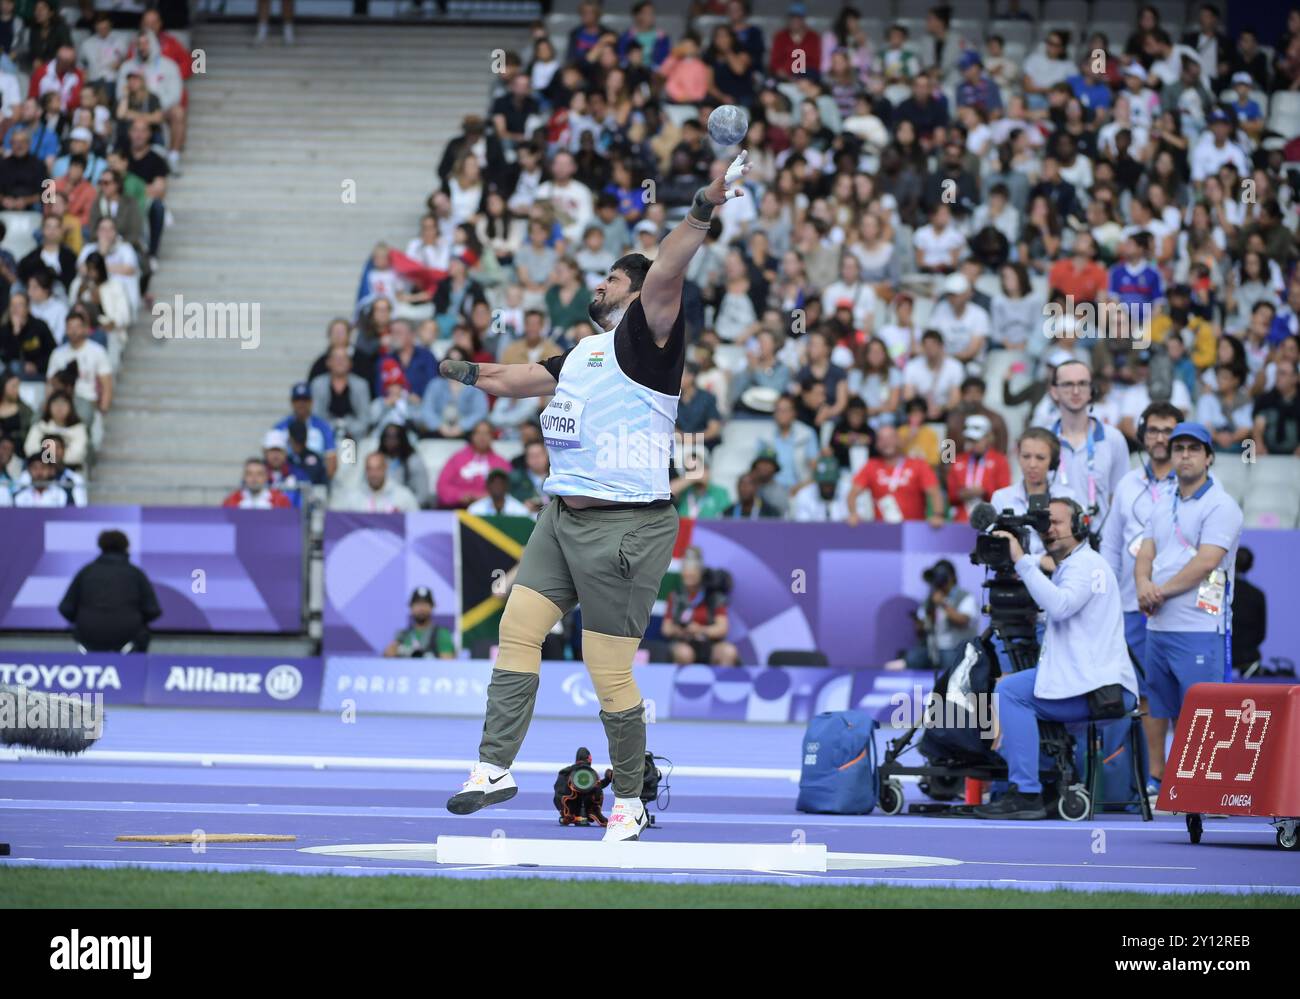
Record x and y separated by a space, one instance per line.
611 562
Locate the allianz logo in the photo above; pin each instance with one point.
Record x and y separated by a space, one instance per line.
281 683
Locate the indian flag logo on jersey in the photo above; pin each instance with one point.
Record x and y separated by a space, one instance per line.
597 359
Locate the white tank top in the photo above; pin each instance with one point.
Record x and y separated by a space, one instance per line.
609 436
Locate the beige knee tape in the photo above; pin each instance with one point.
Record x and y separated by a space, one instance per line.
525 623
609 661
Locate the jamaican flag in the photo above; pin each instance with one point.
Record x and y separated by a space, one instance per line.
489 548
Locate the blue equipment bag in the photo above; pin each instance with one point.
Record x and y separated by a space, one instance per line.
839 764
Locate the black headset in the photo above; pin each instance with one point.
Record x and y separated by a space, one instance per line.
1080 522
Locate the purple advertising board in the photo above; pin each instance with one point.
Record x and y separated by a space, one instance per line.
373 562
178 680
214 570
714 693
120 678
171 680
850 592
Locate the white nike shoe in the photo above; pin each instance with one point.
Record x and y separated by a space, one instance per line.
487 785
627 821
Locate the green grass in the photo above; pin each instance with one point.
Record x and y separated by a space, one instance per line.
94 888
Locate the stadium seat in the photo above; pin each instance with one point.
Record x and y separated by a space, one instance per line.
1271 470
1235 476
970 10
1020 32
1284 113
20 232
509 450
1114 10
1065 10
797 657
435 452
1271 506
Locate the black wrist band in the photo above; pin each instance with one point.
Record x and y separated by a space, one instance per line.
702 207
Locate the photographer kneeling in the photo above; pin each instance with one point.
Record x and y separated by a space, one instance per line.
1084 671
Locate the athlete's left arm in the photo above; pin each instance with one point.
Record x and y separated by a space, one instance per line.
661 292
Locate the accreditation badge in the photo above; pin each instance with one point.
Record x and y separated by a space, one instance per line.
1209 595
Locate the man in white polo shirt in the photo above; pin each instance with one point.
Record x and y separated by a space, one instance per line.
1135 498
1094 456
1084 667
1184 574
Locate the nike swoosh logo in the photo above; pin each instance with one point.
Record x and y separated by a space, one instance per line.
497 780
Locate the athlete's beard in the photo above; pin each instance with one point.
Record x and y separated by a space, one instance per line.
605 313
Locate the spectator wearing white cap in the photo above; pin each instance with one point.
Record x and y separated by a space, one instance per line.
1144 104
1250 119
963 324
279 472
645 239
254 493
979 471
80 140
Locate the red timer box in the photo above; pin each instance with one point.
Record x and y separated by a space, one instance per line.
1236 751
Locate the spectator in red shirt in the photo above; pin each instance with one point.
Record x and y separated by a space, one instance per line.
60 77
255 494
899 486
695 617
979 471
1079 275
796 41
79 191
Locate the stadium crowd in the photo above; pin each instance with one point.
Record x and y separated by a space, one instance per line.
92 124
941 213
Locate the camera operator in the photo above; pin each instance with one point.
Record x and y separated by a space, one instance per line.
1038 453
1084 670
946 621
423 639
1135 497
1184 574
1094 455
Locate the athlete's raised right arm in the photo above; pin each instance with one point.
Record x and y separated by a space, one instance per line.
510 381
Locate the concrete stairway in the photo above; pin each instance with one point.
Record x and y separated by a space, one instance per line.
261 219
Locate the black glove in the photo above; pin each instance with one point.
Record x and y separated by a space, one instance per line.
465 372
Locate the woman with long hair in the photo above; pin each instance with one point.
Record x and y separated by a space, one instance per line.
60 417
465 187
1040 239
15 415
497 229
404 465
877 380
